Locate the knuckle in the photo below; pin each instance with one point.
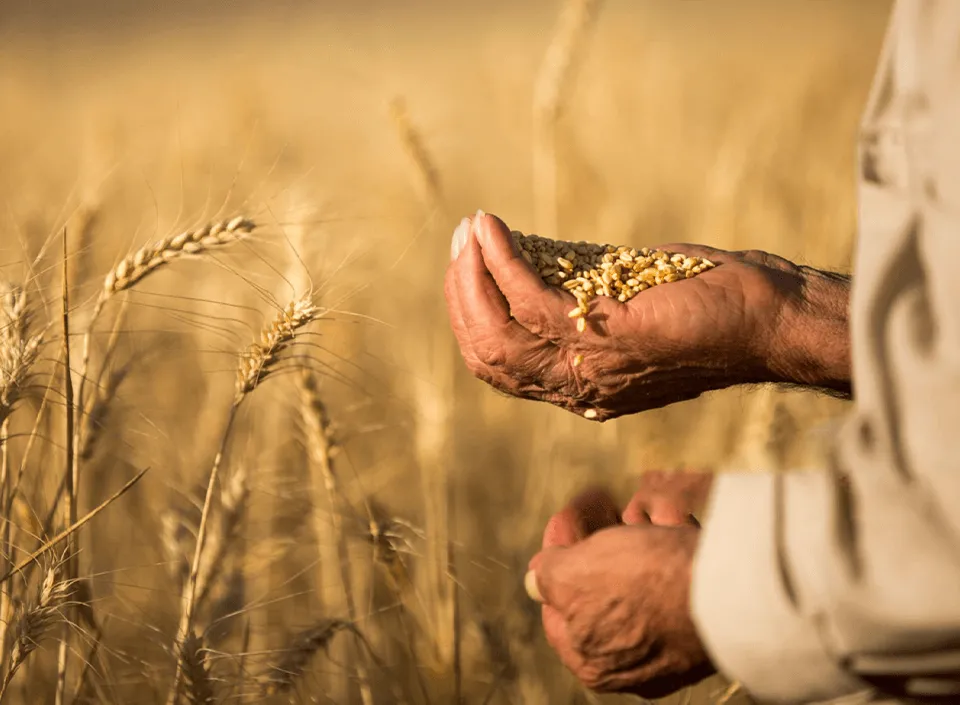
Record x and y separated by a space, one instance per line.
492 356
536 320
593 677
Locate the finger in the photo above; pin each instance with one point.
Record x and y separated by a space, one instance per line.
590 511
460 236
636 513
457 324
540 308
483 305
555 630
506 355
658 511
691 249
540 580
561 531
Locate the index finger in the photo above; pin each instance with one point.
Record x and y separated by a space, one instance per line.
590 511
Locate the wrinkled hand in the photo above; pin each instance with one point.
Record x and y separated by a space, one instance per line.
616 599
669 343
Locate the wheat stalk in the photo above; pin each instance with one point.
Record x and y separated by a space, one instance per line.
70 472
95 419
72 529
322 449
258 363
233 502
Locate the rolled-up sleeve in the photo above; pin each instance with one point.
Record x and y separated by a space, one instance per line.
810 586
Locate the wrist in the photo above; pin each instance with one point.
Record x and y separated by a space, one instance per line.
810 345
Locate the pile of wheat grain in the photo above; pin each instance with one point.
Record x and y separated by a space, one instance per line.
589 270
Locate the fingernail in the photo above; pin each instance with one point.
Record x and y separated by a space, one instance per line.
459 240
530 585
476 222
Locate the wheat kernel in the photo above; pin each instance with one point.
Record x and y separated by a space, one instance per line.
589 270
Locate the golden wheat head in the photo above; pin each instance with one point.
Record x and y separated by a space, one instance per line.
135 267
262 357
18 349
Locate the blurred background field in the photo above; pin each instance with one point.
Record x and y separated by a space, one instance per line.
731 124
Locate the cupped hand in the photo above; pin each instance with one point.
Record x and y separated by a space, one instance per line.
616 599
667 344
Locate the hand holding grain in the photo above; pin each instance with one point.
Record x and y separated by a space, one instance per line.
616 599
741 321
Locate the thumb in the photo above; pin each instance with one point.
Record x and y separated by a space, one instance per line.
552 574
540 582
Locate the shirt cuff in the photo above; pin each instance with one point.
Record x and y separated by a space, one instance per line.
741 605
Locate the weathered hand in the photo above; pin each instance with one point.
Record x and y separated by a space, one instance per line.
744 321
616 600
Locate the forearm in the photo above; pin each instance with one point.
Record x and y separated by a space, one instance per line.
810 345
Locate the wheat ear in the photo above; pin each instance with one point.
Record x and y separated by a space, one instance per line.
18 353
285 673
422 166
18 348
36 620
197 681
71 472
135 267
258 363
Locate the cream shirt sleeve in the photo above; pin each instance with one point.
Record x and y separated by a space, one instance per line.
811 586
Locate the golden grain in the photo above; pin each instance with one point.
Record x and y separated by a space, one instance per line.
262 356
135 267
19 349
604 270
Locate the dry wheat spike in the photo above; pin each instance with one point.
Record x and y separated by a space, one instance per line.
135 267
305 644
197 681
37 618
18 349
262 356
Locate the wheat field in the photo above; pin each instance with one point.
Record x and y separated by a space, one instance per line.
283 375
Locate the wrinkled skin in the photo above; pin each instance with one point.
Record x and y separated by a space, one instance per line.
616 596
672 342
